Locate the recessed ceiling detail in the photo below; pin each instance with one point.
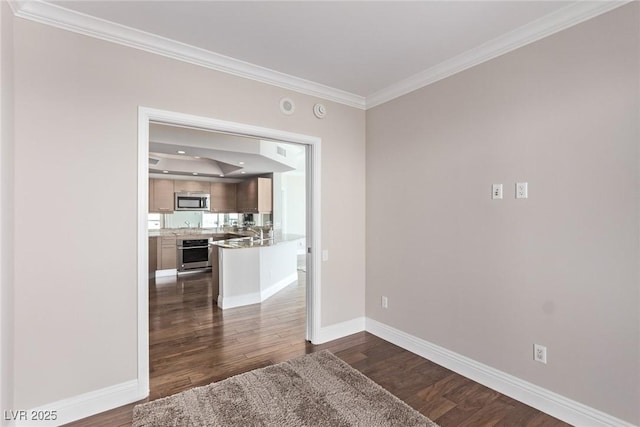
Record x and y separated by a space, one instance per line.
214 154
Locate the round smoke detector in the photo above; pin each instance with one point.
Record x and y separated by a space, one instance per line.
320 111
287 106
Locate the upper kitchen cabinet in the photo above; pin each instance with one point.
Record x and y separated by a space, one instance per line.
254 196
191 186
223 197
161 195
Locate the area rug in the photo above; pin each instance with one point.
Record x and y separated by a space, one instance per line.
314 390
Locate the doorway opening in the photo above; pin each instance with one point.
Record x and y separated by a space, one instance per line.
148 117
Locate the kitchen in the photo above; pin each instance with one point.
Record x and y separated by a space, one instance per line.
229 206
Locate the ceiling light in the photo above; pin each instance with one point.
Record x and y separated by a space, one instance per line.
195 173
196 157
165 171
241 163
243 172
181 152
221 174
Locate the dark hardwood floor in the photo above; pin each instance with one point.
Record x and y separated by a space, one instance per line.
193 343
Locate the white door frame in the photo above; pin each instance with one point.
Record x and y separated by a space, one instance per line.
148 115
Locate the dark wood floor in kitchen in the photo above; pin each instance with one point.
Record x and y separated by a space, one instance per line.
193 343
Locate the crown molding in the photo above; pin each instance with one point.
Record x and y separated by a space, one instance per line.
547 25
568 16
15 5
77 22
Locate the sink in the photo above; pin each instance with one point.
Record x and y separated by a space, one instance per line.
246 242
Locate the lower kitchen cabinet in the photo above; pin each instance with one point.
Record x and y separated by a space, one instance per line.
153 255
167 256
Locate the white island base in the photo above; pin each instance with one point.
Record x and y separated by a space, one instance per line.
250 275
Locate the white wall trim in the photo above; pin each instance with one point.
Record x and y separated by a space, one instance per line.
313 147
77 22
568 410
278 286
256 297
171 272
552 23
57 16
87 404
238 300
339 330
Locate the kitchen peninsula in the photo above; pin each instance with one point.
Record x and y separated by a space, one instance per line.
250 270
246 269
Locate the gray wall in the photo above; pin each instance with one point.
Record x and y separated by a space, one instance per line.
488 279
6 206
76 112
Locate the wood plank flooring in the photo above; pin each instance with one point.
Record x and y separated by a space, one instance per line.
193 343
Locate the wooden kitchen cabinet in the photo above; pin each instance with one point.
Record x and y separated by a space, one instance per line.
153 255
254 195
167 254
161 195
180 186
223 197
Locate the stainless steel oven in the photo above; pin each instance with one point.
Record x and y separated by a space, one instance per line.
194 254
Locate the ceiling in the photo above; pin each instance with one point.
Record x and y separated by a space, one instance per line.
359 47
360 53
178 150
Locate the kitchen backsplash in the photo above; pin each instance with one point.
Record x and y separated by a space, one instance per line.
198 219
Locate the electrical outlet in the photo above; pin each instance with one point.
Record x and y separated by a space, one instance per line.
540 353
521 190
496 191
385 302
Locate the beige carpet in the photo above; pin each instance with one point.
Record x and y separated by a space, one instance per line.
314 390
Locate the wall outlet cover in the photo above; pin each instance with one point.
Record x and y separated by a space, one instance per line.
540 353
522 191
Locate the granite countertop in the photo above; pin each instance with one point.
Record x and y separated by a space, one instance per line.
252 242
177 232
241 238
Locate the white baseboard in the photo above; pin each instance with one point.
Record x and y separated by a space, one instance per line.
256 297
278 286
575 413
84 405
238 301
339 330
565 409
166 273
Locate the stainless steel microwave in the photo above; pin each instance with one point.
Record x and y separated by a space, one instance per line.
192 201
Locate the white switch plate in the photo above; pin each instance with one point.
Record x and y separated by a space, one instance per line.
325 255
521 190
496 191
385 302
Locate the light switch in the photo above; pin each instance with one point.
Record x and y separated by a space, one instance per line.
496 191
325 255
521 190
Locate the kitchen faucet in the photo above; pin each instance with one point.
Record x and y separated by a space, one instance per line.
188 224
258 234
